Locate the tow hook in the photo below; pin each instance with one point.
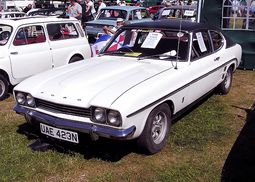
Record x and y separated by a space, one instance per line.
92 133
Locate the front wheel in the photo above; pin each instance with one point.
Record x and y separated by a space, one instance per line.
225 86
156 130
4 87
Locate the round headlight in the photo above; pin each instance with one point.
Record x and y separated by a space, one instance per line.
100 115
114 118
20 97
30 100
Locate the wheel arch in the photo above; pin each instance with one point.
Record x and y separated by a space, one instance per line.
5 74
78 55
75 55
232 66
170 104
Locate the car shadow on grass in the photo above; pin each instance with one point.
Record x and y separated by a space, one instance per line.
240 163
104 149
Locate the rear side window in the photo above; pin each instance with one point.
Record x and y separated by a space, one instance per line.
62 31
200 45
29 35
217 40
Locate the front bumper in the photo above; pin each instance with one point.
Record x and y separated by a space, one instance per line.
78 126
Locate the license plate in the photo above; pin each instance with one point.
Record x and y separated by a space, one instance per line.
59 133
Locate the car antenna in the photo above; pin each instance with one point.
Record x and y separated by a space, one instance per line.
179 35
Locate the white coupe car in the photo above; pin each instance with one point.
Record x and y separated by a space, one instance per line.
145 76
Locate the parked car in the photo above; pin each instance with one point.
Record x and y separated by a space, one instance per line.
147 75
154 9
11 14
32 45
108 16
45 11
185 12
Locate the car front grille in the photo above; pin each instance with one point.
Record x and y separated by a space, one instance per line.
63 109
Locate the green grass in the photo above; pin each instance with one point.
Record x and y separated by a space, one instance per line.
196 150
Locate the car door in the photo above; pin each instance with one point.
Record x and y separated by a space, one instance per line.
29 52
203 73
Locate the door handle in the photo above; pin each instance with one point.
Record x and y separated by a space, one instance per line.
14 53
217 59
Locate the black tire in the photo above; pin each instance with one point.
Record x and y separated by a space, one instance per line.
156 130
225 86
75 59
4 87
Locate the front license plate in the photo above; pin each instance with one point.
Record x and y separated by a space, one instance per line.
59 133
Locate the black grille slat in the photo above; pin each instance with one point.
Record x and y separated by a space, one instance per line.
63 109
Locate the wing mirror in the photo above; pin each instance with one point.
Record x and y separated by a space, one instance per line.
172 53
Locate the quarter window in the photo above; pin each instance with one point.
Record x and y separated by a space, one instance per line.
62 31
217 40
29 35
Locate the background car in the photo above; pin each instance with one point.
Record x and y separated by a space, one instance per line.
108 16
32 45
154 9
185 12
147 75
45 11
11 14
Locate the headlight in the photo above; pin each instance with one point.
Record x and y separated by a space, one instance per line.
21 98
100 115
30 100
114 118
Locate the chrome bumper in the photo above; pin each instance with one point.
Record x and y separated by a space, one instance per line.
78 126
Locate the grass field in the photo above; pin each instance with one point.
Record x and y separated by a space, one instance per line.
196 151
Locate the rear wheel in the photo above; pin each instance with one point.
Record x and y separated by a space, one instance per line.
4 87
75 59
156 130
225 86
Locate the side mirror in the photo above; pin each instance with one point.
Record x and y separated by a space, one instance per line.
173 53
166 55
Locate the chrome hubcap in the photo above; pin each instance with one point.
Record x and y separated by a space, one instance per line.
227 80
159 127
2 88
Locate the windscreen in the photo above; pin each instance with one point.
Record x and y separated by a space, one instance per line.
112 14
149 43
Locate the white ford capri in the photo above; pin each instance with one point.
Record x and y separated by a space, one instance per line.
146 75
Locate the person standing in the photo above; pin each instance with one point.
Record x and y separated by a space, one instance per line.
90 10
74 9
27 8
101 5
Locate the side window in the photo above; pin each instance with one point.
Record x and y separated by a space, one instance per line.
217 40
62 31
137 15
200 45
145 14
29 35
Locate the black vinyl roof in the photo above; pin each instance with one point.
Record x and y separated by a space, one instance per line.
179 25
172 25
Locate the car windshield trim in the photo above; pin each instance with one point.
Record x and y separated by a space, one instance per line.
141 48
